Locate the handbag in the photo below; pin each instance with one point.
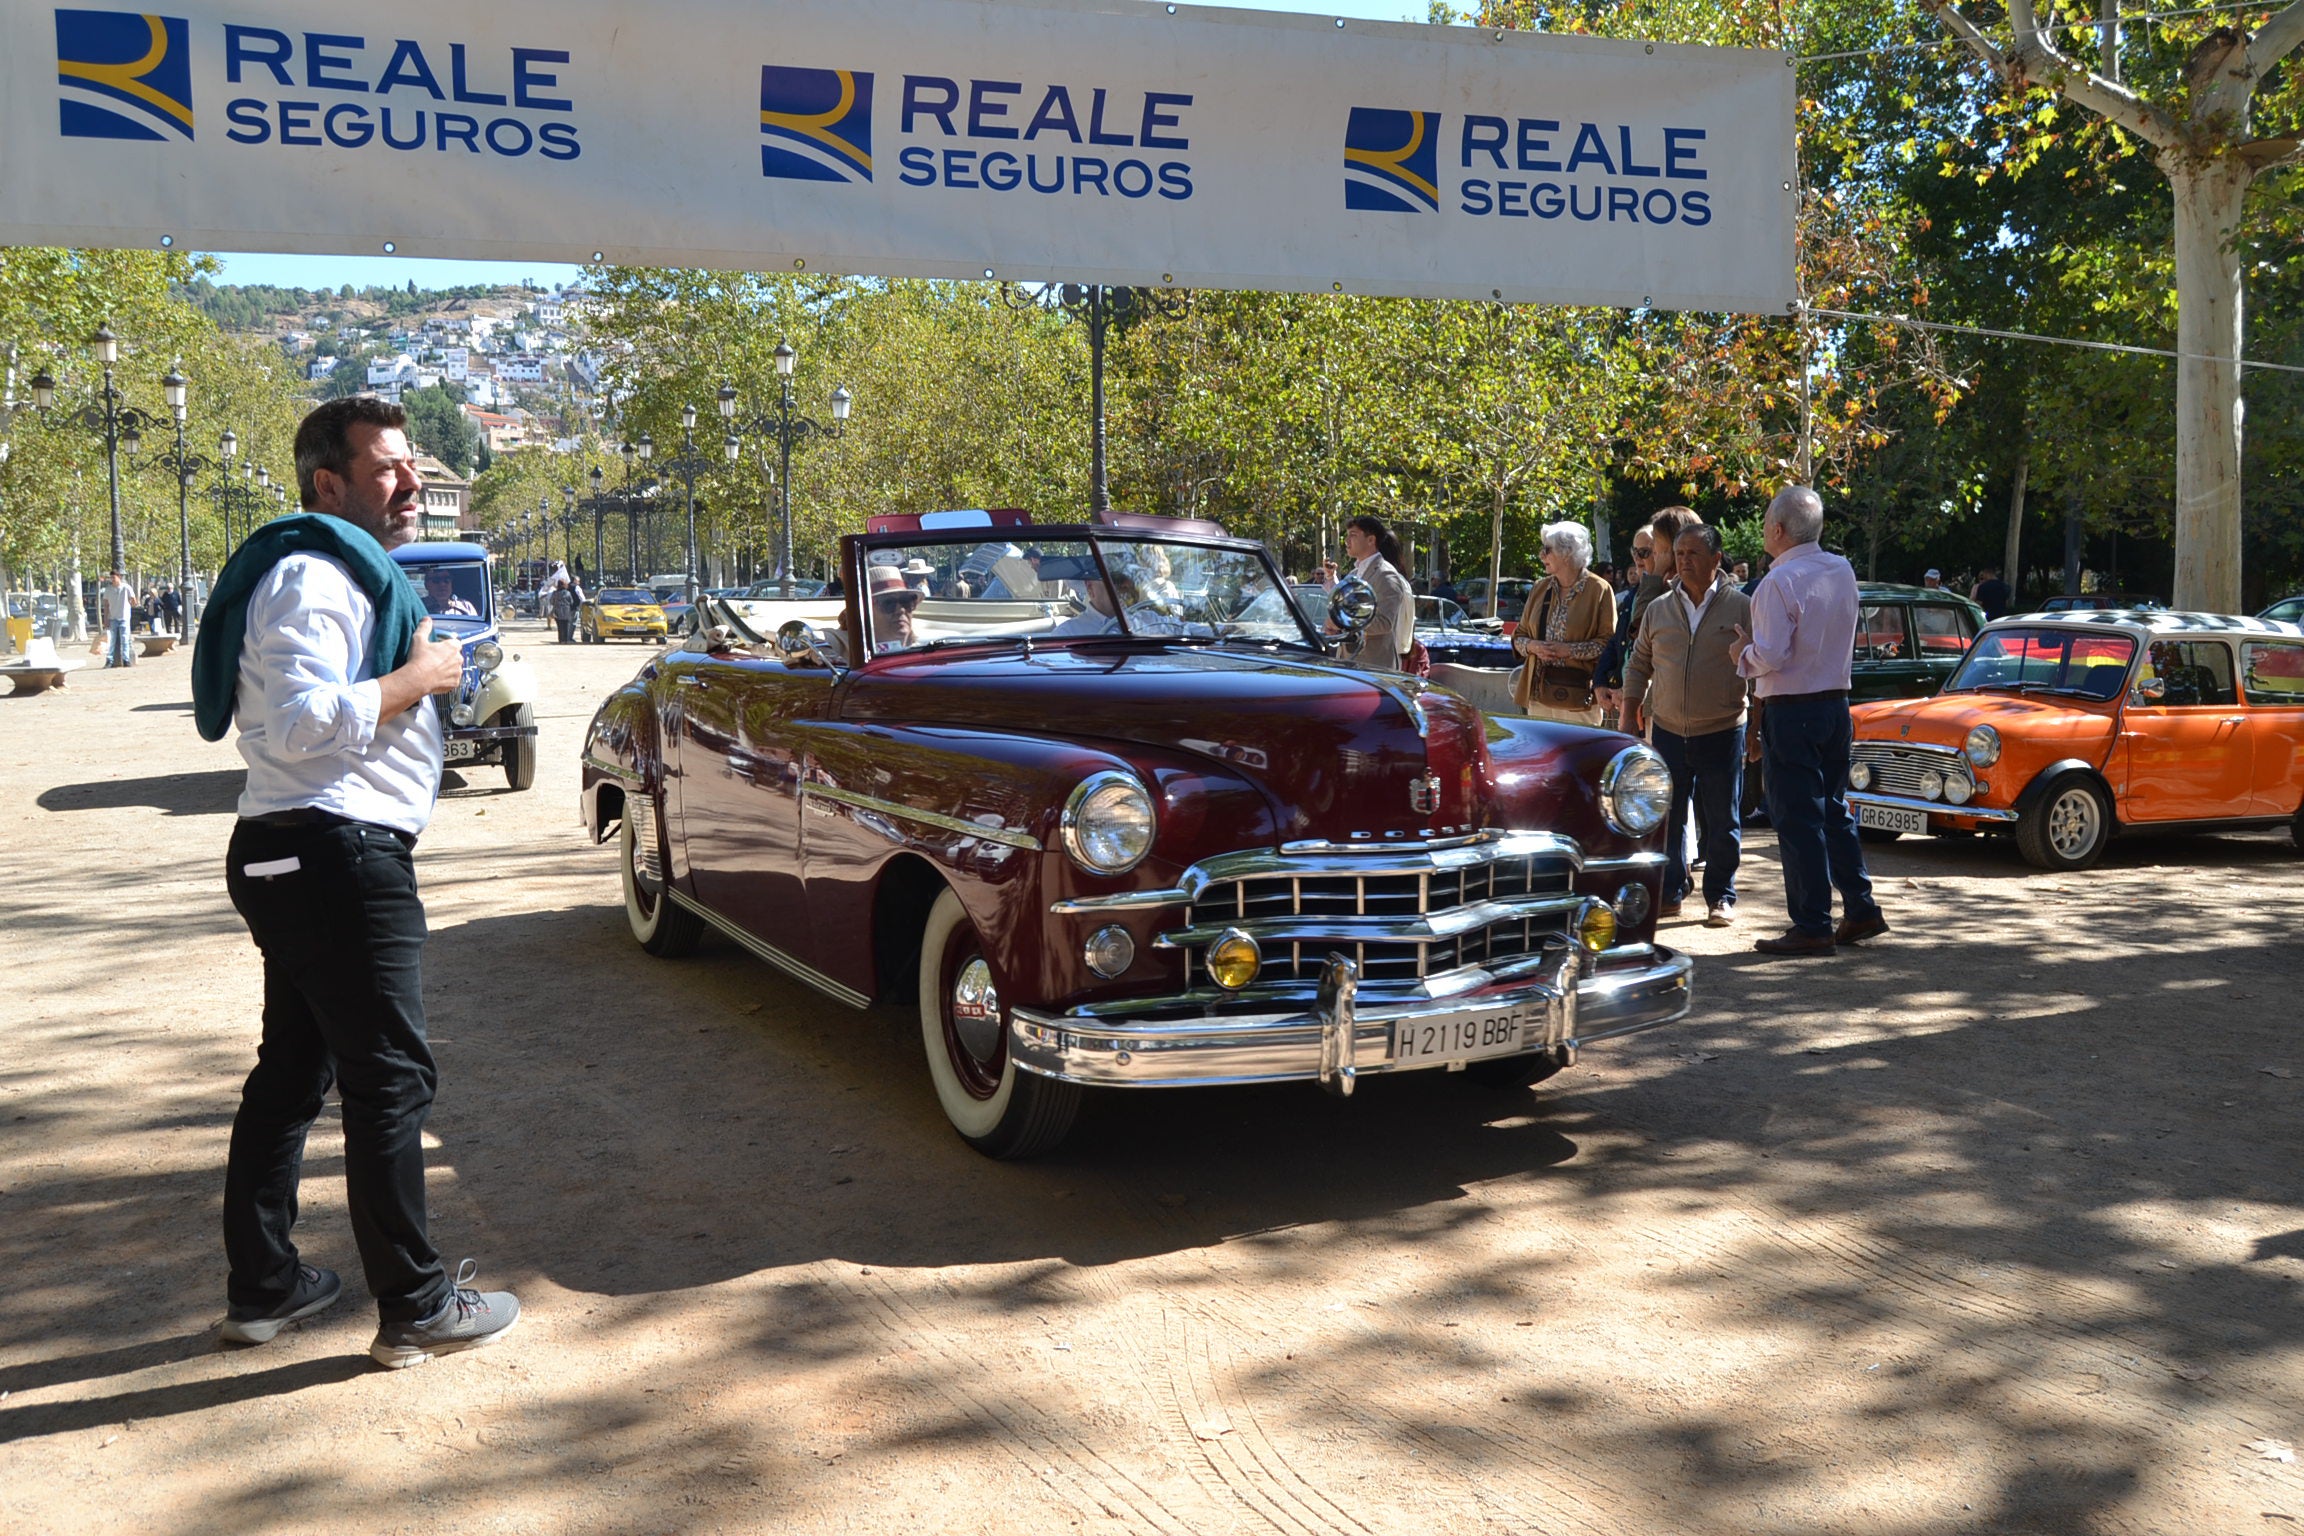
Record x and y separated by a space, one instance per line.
1418 661
1555 685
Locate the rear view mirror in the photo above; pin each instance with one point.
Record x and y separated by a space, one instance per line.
801 644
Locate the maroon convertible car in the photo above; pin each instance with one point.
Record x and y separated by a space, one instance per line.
1102 803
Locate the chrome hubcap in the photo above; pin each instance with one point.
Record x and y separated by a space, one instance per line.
976 1011
2072 823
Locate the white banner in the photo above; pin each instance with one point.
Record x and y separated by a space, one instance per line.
1103 142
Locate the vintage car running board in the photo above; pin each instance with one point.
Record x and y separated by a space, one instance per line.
772 954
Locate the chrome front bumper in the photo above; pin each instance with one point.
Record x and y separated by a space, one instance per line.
1337 1040
1929 807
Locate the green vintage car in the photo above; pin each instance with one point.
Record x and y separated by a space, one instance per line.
1908 640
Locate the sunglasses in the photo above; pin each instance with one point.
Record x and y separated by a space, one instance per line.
904 600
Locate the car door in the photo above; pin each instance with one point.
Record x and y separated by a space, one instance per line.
1882 664
738 771
1940 634
2272 683
2190 751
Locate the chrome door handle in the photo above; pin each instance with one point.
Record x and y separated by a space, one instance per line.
687 680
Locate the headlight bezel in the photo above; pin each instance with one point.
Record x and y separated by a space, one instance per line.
487 655
1077 836
1981 746
1649 764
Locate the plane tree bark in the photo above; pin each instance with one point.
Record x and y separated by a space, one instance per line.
2201 139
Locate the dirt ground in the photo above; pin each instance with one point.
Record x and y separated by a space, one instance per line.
1994 1226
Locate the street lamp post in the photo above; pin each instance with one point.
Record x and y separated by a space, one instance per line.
786 429
599 516
186 466
688 466
122 426
1102 308
227 445
567 526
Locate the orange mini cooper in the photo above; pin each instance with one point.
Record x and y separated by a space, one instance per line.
2068 728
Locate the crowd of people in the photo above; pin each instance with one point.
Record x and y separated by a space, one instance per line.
1722 672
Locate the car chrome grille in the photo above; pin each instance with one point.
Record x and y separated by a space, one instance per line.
1897 770
1276 902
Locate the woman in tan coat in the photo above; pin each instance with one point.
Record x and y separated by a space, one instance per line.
1568 622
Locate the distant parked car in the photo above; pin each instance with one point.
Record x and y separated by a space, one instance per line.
1515 591
2102 602
2289 610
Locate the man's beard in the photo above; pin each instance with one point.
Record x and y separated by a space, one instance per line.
386 523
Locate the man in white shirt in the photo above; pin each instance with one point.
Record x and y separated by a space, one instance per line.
114 603
344 760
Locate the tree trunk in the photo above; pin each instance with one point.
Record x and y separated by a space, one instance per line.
1496 556
2209 198
2010 571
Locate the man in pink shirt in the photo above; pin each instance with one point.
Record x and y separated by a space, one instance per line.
1797 655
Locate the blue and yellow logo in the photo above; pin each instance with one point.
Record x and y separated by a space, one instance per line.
125 76
818 123
1391 160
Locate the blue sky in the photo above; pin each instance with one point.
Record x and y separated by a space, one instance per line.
427 272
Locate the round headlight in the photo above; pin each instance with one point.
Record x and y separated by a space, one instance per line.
1632 904
460 713
1859 775
1596 929
1931 785
1957 789
487 655
1983 746
1109 951
1234 960
1108 823
1636 791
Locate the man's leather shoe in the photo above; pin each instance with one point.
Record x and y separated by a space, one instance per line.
1855 930
1793 942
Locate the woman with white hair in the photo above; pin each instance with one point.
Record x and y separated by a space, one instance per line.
1567 623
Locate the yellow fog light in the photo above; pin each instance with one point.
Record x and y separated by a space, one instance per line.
1596 930
1234 960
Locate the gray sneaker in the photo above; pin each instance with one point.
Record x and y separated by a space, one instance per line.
315 1290
466 1320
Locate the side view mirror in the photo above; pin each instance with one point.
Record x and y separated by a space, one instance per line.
1352 604
2149 690
801 644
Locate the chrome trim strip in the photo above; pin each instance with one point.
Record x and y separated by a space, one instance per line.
1287 1045
774 956
1288 994
616 771
1011 836
1427 928
1932 807
1898 744
1629 861
1369 859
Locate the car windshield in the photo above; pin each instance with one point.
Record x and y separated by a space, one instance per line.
624 596
451 589
1128 586
2092 664
1439 613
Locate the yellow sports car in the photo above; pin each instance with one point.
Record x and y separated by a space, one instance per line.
621 611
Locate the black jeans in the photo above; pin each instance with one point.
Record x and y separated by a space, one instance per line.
1806 744
342 935
1708 769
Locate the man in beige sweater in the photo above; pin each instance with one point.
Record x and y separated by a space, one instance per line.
1681 682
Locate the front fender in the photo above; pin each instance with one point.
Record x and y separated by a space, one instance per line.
508 687
2028 802
873 792
623 754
